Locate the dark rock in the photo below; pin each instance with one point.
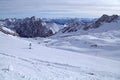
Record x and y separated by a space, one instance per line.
32 27
104 18
73 26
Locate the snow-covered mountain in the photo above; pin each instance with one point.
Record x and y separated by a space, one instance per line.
27 27
103 22
36 27
54 27
19 62
73 26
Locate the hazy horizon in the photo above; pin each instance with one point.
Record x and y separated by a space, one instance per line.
58 9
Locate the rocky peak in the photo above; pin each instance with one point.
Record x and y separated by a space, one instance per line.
33 18
74 25
106 18
31 27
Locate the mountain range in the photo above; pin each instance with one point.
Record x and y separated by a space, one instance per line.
36 27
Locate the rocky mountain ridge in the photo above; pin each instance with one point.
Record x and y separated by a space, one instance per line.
36 27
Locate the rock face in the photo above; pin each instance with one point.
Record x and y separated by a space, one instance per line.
73 26
10 22
32 27
104 18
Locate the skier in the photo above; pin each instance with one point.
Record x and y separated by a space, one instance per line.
30 46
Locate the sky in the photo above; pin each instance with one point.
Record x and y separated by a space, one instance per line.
58 8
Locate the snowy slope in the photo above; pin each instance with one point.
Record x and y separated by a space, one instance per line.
115 25
103 41
8 30
18 62
102 44
54 27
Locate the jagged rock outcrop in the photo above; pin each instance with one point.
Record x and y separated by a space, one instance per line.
104 18
32 27
10 22
73 26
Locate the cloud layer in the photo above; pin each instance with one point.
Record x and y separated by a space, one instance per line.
58 8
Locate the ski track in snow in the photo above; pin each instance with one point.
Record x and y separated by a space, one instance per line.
62 71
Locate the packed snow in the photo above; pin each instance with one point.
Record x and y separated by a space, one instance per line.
44 62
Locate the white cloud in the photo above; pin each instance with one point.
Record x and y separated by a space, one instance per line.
56 8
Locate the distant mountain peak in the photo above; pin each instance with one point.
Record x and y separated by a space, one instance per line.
76 25
106 18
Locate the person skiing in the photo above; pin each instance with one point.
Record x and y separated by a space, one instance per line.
30 46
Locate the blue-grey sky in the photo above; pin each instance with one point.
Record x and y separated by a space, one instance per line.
58 8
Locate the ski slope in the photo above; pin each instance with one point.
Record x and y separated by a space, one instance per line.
102 42
18 62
